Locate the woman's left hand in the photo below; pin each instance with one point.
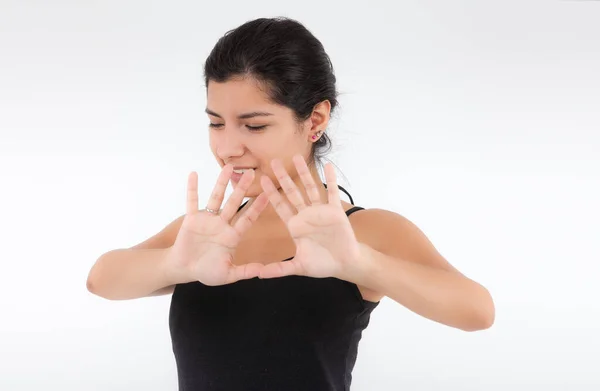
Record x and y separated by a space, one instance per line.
325 242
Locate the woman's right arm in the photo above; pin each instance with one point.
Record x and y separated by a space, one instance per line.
138 271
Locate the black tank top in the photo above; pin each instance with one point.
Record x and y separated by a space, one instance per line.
292 333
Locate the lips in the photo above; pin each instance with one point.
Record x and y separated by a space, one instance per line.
236 176
242 169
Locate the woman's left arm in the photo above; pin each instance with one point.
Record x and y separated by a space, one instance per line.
399 261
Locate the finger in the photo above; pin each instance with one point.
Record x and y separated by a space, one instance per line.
251 215
243 272
280 269
192 193
279 204
309 183
333 192
233 203
218 193
287 184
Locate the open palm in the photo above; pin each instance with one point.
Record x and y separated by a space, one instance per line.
325 241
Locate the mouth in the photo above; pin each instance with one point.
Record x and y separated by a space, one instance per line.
237 174
242 170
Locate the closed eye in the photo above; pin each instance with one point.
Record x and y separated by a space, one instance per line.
255 128
251 128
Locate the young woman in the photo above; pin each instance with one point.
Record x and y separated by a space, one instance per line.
274 293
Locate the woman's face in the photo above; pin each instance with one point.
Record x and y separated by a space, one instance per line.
246 130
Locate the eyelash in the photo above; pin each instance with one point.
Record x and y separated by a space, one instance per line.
251 128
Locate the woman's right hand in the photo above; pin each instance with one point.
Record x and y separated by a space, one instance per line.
204 247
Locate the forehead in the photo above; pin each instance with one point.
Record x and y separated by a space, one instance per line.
237 94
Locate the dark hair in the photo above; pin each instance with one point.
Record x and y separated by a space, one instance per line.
287 59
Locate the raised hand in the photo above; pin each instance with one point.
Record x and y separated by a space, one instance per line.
203 250
325 242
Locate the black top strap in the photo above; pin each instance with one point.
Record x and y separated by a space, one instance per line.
344 190
325 184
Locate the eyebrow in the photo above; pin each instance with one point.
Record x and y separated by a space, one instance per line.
242 116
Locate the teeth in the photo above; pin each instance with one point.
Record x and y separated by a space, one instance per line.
241 171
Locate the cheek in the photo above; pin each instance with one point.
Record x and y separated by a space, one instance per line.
212 143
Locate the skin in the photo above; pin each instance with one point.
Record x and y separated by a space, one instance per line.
380 251
231 141
389 255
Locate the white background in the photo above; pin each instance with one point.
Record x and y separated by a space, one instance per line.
477 120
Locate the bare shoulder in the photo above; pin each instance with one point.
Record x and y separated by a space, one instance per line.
380 226
394 234
360 226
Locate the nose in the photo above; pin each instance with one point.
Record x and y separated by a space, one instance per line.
227 145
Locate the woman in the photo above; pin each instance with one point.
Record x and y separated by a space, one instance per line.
274 294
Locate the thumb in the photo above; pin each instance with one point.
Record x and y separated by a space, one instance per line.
280 269
244 272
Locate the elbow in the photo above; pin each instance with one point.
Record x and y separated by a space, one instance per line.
480 322
489 316
93 283
90 285
483 315
94 288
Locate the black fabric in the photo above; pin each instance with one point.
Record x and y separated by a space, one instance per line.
292 333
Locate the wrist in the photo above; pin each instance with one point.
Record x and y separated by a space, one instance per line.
362 270
171 273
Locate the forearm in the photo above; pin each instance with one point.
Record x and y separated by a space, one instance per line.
443 296
129 274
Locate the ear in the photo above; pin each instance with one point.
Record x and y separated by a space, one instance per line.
319 119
